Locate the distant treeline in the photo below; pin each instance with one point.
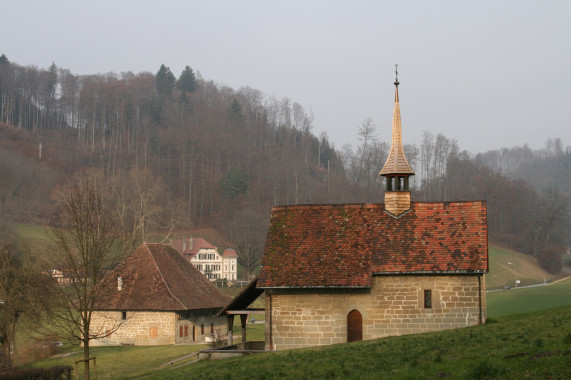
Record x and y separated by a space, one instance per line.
223 157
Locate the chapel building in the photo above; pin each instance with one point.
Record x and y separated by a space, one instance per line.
347 272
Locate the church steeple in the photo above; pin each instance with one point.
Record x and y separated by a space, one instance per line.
396 169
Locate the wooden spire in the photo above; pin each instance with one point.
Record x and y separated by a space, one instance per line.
396 163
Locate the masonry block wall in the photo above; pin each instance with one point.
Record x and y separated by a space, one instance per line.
153 328
394 305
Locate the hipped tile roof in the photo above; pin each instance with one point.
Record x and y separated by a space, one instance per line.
157 277
344 245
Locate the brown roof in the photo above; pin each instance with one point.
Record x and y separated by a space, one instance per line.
344 245
157 277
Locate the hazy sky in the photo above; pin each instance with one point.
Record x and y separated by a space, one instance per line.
489 74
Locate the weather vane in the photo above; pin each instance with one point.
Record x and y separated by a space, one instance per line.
396 74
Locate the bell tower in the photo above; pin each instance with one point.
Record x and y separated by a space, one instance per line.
396 169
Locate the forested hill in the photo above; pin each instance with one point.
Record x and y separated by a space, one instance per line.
202 154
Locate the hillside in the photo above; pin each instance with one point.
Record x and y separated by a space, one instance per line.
524 268
219 158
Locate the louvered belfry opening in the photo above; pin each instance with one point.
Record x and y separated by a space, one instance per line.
354 326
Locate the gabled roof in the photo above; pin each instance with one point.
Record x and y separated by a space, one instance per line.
191 245
158 277
343 246
229 252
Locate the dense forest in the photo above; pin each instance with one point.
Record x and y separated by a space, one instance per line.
186 152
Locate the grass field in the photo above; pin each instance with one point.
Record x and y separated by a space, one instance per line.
118 362
528 299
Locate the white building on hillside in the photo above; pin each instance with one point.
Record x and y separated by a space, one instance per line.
206 258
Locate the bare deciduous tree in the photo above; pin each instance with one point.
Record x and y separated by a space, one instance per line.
86 243
248 232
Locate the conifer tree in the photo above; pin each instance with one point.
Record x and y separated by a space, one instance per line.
165 81
187 80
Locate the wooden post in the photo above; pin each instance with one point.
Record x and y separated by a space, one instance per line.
86 360
230 327
243 320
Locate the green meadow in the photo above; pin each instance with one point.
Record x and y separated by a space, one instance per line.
529 299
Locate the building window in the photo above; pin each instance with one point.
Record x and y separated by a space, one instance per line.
153 332
181 331
186 331
119 283
201 329
212 328
428 299
123 315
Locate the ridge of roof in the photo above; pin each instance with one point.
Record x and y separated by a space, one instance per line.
157 277
367 205
161 273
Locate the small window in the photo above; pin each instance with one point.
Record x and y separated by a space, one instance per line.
123 315
212 328
181 331
119 283
201 329
428 299
186 331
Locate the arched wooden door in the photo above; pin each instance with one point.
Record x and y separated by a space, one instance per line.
354 326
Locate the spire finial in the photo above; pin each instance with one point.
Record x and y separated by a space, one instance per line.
396 74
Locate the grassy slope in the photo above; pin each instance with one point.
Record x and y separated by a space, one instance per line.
536 345
501 273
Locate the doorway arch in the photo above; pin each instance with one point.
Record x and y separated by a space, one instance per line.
354 326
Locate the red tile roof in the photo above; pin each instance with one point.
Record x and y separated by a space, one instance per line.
229 252
157 277
344 245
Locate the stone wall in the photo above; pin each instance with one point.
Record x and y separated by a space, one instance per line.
394 305
153 327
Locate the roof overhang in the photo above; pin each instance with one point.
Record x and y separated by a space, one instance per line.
240 303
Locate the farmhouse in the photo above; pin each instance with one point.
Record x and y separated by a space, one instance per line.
156 296
339 273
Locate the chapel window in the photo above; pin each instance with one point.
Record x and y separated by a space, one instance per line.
428 299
